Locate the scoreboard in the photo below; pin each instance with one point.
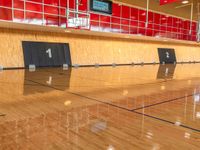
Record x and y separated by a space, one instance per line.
102 6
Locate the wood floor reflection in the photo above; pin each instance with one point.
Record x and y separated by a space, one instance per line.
123 107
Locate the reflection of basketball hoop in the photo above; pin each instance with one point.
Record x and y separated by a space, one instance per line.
75 17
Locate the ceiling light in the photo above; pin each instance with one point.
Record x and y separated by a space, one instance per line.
185 2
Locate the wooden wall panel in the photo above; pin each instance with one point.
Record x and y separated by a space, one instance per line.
88 50
11 84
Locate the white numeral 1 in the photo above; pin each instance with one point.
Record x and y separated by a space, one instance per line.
49 52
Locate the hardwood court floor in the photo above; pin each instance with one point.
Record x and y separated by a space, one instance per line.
110 108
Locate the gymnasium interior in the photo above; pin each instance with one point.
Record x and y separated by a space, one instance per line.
99 74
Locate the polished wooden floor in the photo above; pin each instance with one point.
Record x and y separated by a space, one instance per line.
149 107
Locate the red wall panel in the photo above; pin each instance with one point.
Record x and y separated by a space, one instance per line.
116 10
51 10
33 7
19 14
52 2
134 14
94 17
83 5
126 11
63 3
19 4
142 15
6 14
6 3
104 18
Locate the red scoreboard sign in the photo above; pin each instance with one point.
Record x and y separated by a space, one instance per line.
163 2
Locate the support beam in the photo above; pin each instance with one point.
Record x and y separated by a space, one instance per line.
147 14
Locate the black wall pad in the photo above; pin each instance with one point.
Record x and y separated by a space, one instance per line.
166 55
43 54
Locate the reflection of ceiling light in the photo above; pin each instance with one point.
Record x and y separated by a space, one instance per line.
185 2
110 147
177 123
67 103
149 135
162 87
198 115
125 92
189 82
196 98
187 135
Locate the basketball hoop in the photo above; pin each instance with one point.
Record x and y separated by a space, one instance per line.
77 19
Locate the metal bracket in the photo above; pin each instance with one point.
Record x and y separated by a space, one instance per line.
96 65
65 66
32 67
114 65
1 68
76 65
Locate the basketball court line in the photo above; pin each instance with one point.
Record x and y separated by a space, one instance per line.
44 85
149 116
167 121
167 101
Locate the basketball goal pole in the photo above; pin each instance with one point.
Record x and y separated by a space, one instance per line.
198 23
77 9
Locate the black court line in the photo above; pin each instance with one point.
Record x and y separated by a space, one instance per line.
79 95
167 101
99 101
163 120
44 85
167 121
